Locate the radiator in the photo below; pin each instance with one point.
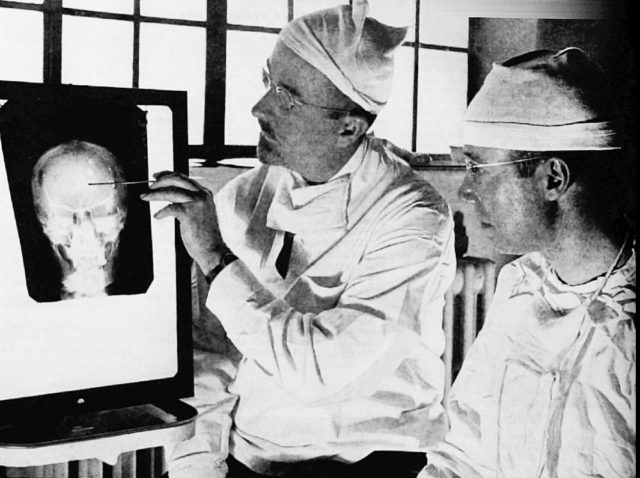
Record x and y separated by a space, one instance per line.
138 464
466 303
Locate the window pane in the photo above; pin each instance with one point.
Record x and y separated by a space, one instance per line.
173 58
400 14
111 6
395 120
302 7
97 52
449 30
263 13
385 11
442 99
246 55
20 45
184 9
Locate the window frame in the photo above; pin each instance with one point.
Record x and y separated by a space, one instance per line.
213 147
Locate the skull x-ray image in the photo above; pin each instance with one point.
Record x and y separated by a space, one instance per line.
83 233
81 214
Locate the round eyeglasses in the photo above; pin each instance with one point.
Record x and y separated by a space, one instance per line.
289 99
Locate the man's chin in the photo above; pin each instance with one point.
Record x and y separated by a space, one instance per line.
266 153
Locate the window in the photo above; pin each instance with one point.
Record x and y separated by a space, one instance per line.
157 44
425 103
173 57
22 31
102 58
214 50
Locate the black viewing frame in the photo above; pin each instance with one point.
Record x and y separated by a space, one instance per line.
44 407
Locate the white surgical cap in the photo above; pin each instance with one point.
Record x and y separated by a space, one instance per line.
543 101
353 51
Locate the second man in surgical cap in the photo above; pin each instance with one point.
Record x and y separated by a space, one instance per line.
548 387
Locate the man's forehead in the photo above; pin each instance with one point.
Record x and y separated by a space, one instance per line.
483 154
287 67
283 58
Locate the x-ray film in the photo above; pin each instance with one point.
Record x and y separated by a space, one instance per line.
88 284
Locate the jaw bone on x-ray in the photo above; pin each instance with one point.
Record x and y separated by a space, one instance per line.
82 221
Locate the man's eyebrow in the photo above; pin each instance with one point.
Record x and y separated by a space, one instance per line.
289 88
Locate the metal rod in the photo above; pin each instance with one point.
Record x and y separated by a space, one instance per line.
146 181
122 182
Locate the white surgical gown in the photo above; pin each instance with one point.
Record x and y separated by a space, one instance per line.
342 357
548 388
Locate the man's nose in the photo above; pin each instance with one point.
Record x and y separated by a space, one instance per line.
467 192
263 106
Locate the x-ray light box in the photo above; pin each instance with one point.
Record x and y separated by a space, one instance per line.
94 293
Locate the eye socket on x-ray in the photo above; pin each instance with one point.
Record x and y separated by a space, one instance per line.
105 227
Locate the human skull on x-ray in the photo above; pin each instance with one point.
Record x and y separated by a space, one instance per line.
82 221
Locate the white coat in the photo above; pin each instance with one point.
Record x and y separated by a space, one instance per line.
548 388
341 357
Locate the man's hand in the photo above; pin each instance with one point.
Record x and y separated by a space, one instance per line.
192 205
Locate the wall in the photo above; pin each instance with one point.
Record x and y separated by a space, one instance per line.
496 39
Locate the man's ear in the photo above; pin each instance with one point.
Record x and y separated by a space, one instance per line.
557 178
353 127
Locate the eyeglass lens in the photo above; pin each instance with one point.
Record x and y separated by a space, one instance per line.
284 96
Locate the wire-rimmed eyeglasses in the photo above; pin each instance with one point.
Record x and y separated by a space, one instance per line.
289 99
474 166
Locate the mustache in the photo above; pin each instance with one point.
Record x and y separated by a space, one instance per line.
266 127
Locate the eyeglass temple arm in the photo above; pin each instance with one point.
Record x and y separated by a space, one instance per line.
502 163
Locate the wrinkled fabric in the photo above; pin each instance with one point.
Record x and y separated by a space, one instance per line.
543 101
342 357
328 201
204 455
353 51
548 388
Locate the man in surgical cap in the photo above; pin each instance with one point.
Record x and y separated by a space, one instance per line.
548 387
343 257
